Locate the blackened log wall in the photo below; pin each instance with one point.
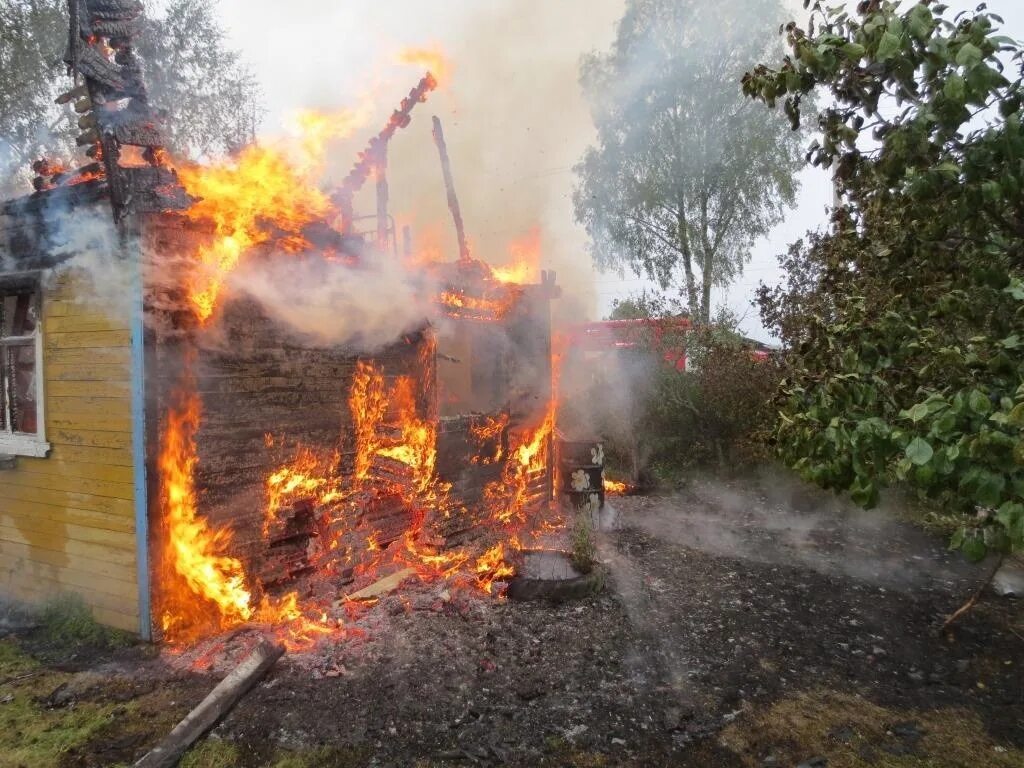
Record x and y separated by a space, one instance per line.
264 392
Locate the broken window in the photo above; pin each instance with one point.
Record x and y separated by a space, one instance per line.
20 371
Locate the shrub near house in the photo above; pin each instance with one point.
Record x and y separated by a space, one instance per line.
907 321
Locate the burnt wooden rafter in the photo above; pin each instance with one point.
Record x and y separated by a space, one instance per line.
111 98
374 157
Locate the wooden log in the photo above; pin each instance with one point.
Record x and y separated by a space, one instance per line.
218 703
383 586
449 186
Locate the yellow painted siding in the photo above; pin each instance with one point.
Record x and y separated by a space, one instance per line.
67 522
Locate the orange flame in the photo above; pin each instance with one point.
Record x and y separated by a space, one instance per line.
433 59
461 304
245 202
316 130
615 487
367 404
193 550
524 254
491 567
260 195
309 475
507 498
417 448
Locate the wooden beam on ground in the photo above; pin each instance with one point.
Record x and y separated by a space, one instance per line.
218 703
383 586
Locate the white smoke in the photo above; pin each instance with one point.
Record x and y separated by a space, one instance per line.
513 113
331 303
86 244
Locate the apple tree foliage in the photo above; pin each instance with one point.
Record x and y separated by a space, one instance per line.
905 321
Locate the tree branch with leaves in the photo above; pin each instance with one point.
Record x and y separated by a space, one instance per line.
905 323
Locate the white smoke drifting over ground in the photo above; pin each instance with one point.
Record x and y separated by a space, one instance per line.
772 517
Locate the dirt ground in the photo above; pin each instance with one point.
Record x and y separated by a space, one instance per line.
750 623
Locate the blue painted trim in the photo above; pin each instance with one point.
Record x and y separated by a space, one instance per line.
138 397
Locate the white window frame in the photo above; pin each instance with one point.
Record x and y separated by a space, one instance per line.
18 443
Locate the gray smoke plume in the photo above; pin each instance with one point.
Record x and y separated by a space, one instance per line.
368 306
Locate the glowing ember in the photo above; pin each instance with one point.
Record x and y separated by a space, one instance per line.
490 431
298 631
615 487
461 304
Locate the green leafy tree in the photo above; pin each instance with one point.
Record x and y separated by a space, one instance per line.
209 95
686 174
33 36
906 321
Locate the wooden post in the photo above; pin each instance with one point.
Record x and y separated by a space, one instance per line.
381 171
406 241
449 185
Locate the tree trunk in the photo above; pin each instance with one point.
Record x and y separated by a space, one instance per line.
705 297
707 264
684 249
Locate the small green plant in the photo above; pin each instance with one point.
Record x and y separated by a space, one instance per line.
583 549
66 619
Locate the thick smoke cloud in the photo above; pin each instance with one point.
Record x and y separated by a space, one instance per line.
365 307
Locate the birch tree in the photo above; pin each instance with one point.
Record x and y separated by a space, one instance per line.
686 174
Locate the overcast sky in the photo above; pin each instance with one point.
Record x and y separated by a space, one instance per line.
514 117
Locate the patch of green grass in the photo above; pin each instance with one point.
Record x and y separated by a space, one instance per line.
67 620
85 729
211 753
583 547
31 735
216 753
851 732
563 753
13 662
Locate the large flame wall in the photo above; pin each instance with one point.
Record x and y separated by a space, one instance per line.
271 413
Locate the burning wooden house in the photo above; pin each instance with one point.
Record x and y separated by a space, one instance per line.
186 460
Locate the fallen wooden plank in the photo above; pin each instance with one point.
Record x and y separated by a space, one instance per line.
218 703
383 586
